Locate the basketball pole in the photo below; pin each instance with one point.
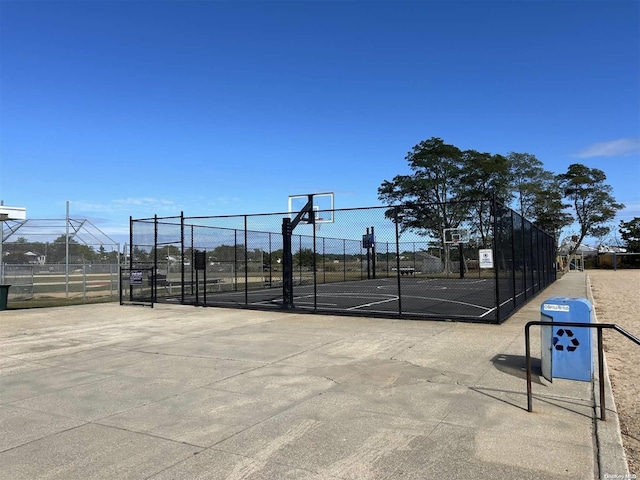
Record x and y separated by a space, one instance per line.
368 243
368 247
373 253
288 225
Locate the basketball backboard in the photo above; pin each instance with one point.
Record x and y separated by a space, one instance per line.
322 206
12 213
456 235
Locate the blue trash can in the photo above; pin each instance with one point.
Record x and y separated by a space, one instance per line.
567 352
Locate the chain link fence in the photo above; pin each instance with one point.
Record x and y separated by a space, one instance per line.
84 281
58 259
374 261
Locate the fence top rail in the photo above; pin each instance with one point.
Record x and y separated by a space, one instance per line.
287 213
153 219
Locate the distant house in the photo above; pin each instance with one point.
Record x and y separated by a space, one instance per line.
34 258
430 263
577 260
570 242
611 249
583 249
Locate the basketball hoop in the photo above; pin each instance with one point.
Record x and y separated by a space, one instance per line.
322 205
455 236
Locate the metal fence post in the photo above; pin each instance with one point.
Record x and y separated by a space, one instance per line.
270 261
514 285
524 249
192 261
287 264
235 260
344 260
182 257
246 264
396 220
154 273
373 252
130 258
496 266
324 261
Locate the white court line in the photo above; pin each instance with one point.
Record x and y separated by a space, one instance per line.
372 303
435 287
474 305
502 305
317 303
356 295
466 280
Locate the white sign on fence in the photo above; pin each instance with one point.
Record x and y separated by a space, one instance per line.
136 277
486 258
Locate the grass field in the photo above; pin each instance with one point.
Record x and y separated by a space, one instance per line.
44 302
32 288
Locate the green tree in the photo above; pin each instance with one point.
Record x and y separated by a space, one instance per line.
304 258
166 254
427 195
102 255
227 253
141 256
547 208
630 233
78 253
274 258
591 201
484 175
529 180
13 252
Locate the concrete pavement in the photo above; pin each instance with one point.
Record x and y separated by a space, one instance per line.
177 392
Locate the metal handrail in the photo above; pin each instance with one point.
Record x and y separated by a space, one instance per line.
599 327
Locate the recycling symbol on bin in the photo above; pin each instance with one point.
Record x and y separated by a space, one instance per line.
565 340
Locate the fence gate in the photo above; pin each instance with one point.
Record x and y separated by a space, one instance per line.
136 286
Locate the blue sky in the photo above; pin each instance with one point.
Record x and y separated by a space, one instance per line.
227 107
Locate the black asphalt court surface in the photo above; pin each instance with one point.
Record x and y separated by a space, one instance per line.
472 298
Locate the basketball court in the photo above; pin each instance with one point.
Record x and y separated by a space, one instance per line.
368 261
